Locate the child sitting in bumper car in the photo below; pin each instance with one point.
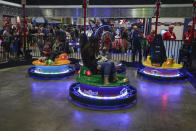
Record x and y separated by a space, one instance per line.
89 52
50 56
58 48
47 50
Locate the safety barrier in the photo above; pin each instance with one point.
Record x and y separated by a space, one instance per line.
172 49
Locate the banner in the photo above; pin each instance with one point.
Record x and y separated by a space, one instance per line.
23 2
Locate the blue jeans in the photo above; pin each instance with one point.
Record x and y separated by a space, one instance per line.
41 47
108 68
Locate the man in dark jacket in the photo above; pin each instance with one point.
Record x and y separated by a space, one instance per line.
136 44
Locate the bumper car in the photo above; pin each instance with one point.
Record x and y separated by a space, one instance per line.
48 69
168 71
89 91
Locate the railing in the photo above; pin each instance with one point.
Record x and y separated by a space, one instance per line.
172 50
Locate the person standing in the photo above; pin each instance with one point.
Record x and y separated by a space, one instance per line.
136 44
169 35
76 33
34 32
20 41
187 37
15 43
7 41
185 54
57 31
150 39
106 41
40 40
125 42
68 35
29 37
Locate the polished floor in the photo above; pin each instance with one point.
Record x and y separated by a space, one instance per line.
32 105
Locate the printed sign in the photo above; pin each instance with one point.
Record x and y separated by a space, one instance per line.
23 2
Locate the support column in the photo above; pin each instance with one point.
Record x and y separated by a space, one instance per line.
157 16
85 7
194 19
24 26
1 18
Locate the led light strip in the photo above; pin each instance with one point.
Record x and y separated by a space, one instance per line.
117 65
104 97
162 75
52 73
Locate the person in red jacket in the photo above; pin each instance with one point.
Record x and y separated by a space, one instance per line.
150 37
188 35
169 35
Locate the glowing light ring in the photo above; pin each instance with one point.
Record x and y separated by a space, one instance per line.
62 72
103 97
74 44
125 98
52 69
36 73
161 77
102 91
118 65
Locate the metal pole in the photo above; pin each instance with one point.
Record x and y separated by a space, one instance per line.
194 19
85 6
157 16
24 26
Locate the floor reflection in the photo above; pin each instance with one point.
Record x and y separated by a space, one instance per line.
102 118
53 89
154 89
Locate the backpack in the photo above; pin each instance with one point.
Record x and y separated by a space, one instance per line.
158 53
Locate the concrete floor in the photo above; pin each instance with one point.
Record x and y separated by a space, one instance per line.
32 105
